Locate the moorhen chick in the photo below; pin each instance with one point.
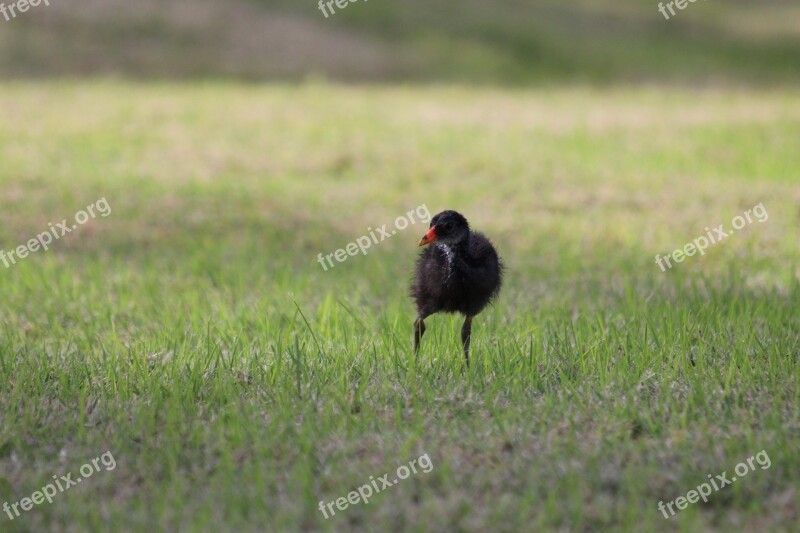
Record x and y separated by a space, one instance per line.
461 272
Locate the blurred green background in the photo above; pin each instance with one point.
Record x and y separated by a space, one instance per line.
498 42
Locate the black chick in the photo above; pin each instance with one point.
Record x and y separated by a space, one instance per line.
461 272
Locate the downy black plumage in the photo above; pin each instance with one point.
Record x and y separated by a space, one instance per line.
461 272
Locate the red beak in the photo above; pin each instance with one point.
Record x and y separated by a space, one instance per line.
428 237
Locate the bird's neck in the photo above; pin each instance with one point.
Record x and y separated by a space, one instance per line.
453 251
446 250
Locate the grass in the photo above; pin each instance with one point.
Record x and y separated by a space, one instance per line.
193 334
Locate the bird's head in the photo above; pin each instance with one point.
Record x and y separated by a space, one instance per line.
448 227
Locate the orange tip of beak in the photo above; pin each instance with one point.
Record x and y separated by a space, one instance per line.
428 237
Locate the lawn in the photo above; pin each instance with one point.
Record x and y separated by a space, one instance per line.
193 334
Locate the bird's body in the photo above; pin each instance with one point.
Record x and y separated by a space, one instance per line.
460 273
456 280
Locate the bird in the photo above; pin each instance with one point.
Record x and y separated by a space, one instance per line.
461 272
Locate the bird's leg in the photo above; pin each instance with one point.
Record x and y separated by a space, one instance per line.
419 331
466 333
